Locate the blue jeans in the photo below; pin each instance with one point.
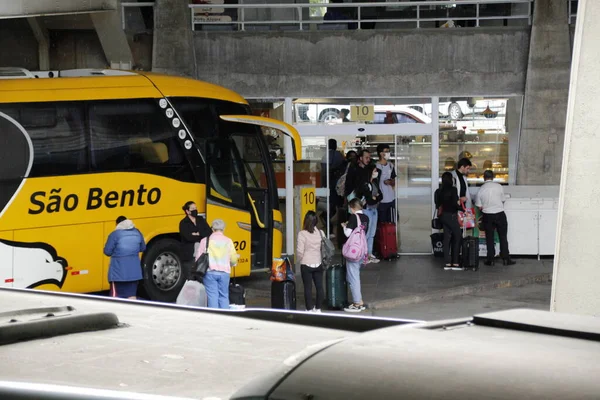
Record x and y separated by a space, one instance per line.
217 289
353 277
372 214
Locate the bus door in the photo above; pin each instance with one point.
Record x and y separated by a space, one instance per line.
259 177
261 201
227 198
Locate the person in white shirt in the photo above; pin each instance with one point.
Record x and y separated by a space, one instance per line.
490 200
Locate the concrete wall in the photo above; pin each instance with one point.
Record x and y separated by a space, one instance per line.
76 49
545 109
19 47
173 50
576 270
484 61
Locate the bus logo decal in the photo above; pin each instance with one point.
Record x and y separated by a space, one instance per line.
35 264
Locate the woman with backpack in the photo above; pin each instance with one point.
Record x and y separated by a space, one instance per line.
357 226
447 203
308 250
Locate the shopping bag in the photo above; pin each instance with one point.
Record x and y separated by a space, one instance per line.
466 218
282 270
193 293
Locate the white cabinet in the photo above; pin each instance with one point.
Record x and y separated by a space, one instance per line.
531 226
522 232
548 219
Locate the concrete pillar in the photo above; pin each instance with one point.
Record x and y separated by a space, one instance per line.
173 51
41 34
546 90
114 42
576 267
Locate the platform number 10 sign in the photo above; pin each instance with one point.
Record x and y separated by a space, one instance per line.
362 112
307 201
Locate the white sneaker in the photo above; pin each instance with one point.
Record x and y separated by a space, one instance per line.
355 308
317 310
373 259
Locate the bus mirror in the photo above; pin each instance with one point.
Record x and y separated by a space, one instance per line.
281 126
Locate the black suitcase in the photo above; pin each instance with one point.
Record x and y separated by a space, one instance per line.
336 287
469 256
470 253
237 294
283 295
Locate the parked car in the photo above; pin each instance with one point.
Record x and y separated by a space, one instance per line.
327 113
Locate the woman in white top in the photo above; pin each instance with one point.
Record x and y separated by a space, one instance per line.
309 255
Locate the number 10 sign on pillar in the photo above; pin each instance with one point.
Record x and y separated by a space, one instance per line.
305 200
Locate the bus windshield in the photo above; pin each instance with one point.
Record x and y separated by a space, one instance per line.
201 118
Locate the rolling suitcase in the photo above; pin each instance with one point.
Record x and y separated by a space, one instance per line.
385 237
237 295
336 287
469 252
283 295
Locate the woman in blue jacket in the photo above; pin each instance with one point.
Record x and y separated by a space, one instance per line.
123 247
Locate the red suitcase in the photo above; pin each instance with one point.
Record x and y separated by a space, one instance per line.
385 239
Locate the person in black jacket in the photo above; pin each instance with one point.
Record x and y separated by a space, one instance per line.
358 174
369 191
193 228
447 204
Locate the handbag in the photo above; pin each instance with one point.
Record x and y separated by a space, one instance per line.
327 249
201 265
466 218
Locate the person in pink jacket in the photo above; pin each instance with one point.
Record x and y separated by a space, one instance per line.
221 257
309 255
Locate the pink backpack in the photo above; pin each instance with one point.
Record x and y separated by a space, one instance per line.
355 248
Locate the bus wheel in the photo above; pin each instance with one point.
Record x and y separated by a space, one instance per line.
163 270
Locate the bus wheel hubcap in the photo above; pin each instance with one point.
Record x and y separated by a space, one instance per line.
166 271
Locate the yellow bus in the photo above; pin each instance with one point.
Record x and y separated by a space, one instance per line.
79 148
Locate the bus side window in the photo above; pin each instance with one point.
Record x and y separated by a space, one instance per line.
135 135
57 132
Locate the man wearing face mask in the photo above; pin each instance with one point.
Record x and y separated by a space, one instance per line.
192 228
387 182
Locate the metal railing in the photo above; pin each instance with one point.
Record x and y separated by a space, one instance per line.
125 5
416 12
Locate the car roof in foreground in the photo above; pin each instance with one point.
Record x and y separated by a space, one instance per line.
506 355
164 349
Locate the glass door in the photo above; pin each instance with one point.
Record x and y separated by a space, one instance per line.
406 126
412 156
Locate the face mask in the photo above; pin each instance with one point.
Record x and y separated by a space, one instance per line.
386 156
349 210
194 213
374 176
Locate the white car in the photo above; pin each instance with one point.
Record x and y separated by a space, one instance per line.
454 110
329 113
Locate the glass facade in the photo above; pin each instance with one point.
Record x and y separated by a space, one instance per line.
482 129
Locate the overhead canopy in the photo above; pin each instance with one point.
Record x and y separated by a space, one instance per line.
37 8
